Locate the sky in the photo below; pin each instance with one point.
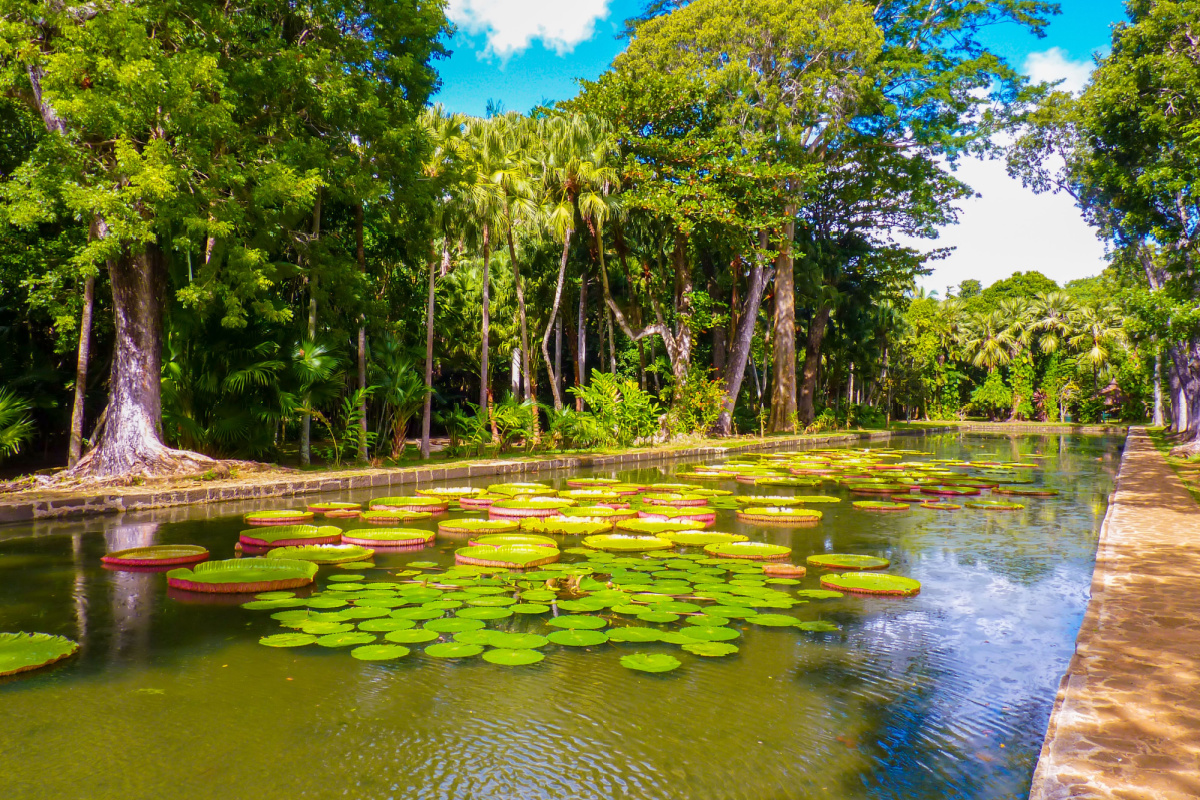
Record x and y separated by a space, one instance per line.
522 53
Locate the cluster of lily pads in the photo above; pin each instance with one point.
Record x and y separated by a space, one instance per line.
697 602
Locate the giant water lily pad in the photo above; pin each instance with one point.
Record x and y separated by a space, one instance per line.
278 517
506 556
336 509
818 626
388 537
520 507
432 505
994 505
653 528
156 556
753 550
880 505
779 515
565 526
626 543
700 538
511 658
323 553
21 652
578 638
379 652
381 517
451 492
711 649
604 512
477 526
500 539
872 583
847 561
243 575
288 535
650 662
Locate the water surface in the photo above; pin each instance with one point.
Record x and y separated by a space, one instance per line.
945 695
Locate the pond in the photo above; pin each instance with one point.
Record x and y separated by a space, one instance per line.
942 695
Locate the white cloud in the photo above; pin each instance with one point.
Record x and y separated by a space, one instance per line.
512 26
1009 228
1054 64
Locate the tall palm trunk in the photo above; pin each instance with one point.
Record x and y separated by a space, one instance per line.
425 417
362 340
485 382
314 277
581 344
81 370
558 290
526 360
735 368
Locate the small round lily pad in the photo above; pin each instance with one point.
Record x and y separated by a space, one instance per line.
577 638
288 639
650 662
345 639
411 636
511 658
577 622
379 652
711 649
453 650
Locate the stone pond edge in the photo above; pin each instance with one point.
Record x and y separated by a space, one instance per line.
130 499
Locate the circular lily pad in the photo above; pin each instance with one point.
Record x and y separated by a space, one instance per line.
345 639
577 622
287 535
1022 491
243 575
453 650
323 553
506 555
773 620
954 491
658 617
880 505
626 543
779 515
818 626
577 638
388 537
710 633
650 662
653 528
453 625
512 658
848 561
751 550
288 640
411 636
470 526
21 652
699 538
527 608
383 625
431 505
634 635
379 652
565 526
711 649
994 505
336 509
157 556
378 516
451 492
872 583
278 517
528 506
500 539
603 512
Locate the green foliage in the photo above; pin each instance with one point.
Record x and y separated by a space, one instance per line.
1021 375
16 426
993 396
697 403
619 414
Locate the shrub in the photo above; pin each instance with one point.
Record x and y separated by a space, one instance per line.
992 396
698 403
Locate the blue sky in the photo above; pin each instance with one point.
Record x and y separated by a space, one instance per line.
523 52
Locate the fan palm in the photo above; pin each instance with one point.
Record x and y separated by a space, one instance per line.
16 426
989 340
1098 332
1053 319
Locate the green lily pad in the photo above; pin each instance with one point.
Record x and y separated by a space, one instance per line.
411 636
417 613
653 528
818 626
650 662
507 555
847 561
626 543
288 640
484 612
320 627
453 650
711 649
379 652
529 608
506 640
578 638
634 635
500 539
453 625
243 575
321 601
710 633
773 620
323 553
729 612
384 625
262 605
577 622
512 658
872 583
754 550
345 639
658 617
564 526
364 612
819 594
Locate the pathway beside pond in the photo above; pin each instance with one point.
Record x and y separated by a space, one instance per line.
1126 723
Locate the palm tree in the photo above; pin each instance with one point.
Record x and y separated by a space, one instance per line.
989 340
1053 318
16 426
573 174
1098 331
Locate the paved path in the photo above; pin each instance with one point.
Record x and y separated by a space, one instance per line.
1126 723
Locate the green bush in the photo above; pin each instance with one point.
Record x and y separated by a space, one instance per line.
619 414
992 397
698 403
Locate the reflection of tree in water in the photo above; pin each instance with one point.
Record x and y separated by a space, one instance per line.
132 593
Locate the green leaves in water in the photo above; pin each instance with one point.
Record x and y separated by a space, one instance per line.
379 652
578 638
577 622
345 639
818 626
847 561
634 635
711 649
288 640
511 658
411 636
650 662
453 625
453 650
710 633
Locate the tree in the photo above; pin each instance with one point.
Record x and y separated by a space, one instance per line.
181 129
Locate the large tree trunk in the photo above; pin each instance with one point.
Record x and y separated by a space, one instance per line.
131 443
485 378
362 339
783 397
81 369
735 370
558 290
1159 416
1187 357
581 343
812 361
425 417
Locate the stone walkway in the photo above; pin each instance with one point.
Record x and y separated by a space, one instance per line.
1126 723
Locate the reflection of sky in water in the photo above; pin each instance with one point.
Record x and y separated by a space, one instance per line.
913 700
